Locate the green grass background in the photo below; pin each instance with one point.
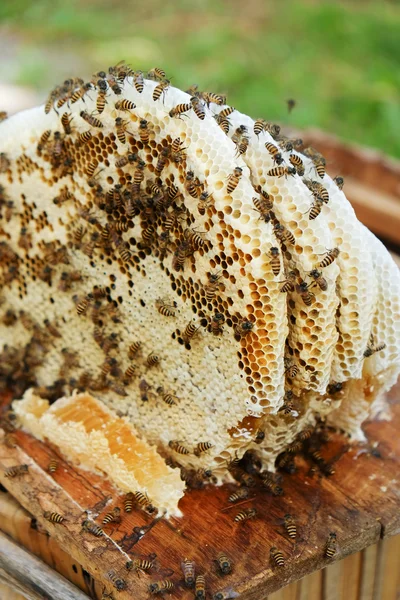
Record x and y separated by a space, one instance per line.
339 60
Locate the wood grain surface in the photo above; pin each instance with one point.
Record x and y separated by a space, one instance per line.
360 503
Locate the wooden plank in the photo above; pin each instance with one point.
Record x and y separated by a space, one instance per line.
351 503
351 574
311 587
368 569
6 593
30 576
390 576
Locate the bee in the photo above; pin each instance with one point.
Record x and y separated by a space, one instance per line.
339 182
84 138
331 546
318 279
212 286
202 447
128 502
241 140
44 138
53 517
263 205
295 447
225 595
318 190
160 586
315 209
167 310
180 255
138 81
118 582
144 131
162 160
216 324
289 283
303 290
192 184
52 466
101 101
92 528
274 152
275 261
283 234
161 88
124 160
188 568
224 563
124 253
244 515
223 122
120 127
91 168
277 557
80 92
82 306
152 359
134 349
198 107
288 405
66 120
93 121
156 74
3 115
240 494
290 104
205 202
290 526
170 399
243 327
200 587
260 125
334 388
330 256
113 516
144 388
281 171
179 109
16 471
233 179
297 163
271 485
371 348
125 105
139 564
194 238
177 447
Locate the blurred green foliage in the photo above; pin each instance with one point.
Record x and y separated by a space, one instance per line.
340 61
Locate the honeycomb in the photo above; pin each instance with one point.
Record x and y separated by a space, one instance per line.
147 235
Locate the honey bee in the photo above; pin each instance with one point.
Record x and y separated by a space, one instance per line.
277 557
53 517
134 349
160 586
91 168
128 502
125 105
170 399
302 289
162 160
315 209
241 140
281 171
295 447
244 515
143 389
80 92
177 447
318 190
216 324
118 582
179 109
130 372
275 261
144 131
296 161
331 545
180 255
288 406
283 234
124 253
289 283
3 115
93 121
318 279
192 184
121 129
152 359
44 138
52 466
372 348
225 595
138 81
290 526
82 306
330 256
101 101
188 568
204 203
339 182
194 238
334 388
161 88
261 125
233 179
16 471
263 205
243 327
113 516
92 528
84 138
156 74
124 160
272 486
66 120
274 152
202 447
167 310
140 564
200 587
241 494
212 286
198 107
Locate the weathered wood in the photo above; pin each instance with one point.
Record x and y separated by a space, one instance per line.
30 576
360 503
6 593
